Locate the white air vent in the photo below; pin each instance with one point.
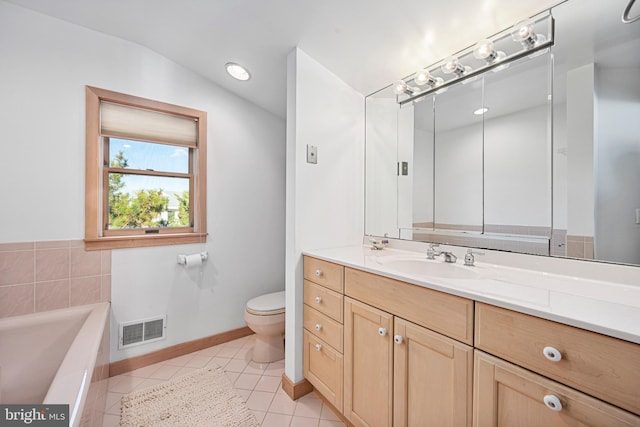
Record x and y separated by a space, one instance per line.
142 331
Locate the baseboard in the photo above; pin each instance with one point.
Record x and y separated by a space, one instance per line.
126 365
296 390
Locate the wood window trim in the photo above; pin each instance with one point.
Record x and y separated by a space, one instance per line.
94 205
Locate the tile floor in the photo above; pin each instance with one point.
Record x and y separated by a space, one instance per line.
259 385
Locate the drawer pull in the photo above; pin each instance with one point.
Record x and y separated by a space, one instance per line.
319 347
553 402
398 339
318 272
552 354
318 326
318 300
382 332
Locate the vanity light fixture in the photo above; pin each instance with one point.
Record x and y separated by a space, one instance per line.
523 32
237 71
481 111
484 50
424 77
452 65
401 87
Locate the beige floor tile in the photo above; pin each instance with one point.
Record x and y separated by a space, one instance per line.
244 353
198 361
304 422
218 361
109 420
244 394
165 372
209 351
148 382
255 368
328 423
184 371
276 420
247 381
282 404
275 369
180 360
144 372
124 383
260 400
328 414
309 407
228 352
233 376
235 365
266 383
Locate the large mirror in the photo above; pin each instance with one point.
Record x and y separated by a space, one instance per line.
551 168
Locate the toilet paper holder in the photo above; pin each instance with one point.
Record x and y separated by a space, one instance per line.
182 258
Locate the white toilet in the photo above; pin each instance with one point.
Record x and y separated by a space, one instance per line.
265 316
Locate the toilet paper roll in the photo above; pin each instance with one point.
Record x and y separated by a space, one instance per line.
193 261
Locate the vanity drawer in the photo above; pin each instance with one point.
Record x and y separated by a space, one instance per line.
324 300
601 366
324 273
447 314
505 394
323 367
323 327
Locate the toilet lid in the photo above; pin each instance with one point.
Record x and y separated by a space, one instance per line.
267 304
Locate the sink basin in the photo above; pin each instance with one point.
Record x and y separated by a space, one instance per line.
424 267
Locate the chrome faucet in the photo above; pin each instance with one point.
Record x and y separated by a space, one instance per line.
431 252
449 256
469 259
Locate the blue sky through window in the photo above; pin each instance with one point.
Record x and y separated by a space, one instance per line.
157 157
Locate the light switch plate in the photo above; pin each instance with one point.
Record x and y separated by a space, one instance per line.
312 154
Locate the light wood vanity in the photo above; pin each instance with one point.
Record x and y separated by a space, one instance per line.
398 354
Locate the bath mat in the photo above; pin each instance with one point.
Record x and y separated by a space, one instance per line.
201 398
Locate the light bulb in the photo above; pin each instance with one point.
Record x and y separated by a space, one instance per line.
523 32
400 87
484 49
451 65
422 77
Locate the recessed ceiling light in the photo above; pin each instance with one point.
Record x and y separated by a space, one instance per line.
237 71
480 111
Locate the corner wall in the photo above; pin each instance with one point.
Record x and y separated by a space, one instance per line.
325 201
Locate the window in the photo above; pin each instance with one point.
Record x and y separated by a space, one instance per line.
145 172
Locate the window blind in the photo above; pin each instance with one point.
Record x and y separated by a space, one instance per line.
122 121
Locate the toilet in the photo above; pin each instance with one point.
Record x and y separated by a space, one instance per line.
265 316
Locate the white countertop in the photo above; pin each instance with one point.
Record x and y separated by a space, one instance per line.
600 306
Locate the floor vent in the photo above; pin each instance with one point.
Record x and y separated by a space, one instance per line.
142 331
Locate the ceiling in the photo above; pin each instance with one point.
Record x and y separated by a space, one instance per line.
366 43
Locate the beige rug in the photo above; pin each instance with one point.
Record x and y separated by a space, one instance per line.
201 398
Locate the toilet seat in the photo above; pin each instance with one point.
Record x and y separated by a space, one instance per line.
267 305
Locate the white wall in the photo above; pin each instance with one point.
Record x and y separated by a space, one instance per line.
45 65
617 154
423 176
381 179
325 201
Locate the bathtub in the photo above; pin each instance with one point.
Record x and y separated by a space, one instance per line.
57 357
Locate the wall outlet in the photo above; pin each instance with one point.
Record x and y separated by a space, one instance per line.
312 154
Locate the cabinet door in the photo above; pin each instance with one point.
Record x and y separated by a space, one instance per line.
432 378
507 395
368 355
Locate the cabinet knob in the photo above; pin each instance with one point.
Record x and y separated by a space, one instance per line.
318 300
382 332
398 339
318 326
318 347
318 272
552 354
553 402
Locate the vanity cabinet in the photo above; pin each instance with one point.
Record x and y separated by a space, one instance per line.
398 372
323 328
389 353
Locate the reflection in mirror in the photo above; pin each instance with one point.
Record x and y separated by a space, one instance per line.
594 199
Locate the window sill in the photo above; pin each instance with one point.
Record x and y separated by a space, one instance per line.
121 242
